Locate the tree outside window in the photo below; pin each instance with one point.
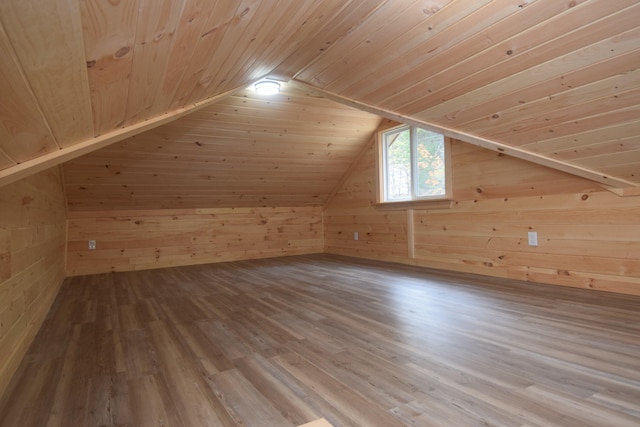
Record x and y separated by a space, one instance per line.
414 164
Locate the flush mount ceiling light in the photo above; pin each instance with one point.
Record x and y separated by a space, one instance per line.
267 87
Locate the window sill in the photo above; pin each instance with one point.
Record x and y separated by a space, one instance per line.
417 204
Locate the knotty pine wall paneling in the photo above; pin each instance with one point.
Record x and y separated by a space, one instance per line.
32 262
588 237
134 240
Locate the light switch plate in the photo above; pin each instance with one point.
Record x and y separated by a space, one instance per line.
533 238
92 245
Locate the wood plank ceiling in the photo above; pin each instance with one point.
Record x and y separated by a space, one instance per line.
556 82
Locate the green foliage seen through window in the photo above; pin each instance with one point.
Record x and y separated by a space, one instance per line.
414 164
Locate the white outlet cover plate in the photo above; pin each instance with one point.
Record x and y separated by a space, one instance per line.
533 238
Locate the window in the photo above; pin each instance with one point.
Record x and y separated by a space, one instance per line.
413 165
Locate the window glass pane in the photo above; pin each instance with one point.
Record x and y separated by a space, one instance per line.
430 176
398 165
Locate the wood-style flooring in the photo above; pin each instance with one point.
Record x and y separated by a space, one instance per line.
282 342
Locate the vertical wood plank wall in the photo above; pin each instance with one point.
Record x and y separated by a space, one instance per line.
588 237
133 240
32 262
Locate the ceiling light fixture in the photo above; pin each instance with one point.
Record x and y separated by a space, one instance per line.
266 87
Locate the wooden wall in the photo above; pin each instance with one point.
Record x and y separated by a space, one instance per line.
247 150
32 262
588 237
133 240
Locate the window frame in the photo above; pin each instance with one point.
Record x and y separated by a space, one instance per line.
382 167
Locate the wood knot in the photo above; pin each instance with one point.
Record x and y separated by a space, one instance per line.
495 116
122 51
91 63
431 11
479 190
585 197
509 52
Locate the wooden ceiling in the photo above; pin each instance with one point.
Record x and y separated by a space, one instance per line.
555 82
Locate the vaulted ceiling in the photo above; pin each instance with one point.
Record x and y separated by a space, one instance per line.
555 82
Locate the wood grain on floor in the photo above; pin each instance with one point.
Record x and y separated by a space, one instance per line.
283 342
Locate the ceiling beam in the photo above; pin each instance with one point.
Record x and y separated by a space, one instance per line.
612 182
46 161
623 192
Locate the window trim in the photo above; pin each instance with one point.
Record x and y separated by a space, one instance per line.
381 171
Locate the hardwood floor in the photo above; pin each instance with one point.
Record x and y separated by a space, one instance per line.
283 342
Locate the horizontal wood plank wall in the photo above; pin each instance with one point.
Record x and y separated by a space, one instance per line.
32 262
588 237
134 240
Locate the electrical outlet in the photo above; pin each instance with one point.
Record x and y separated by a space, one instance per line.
92 245
355 235
533 238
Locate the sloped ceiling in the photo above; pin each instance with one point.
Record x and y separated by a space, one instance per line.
556 82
